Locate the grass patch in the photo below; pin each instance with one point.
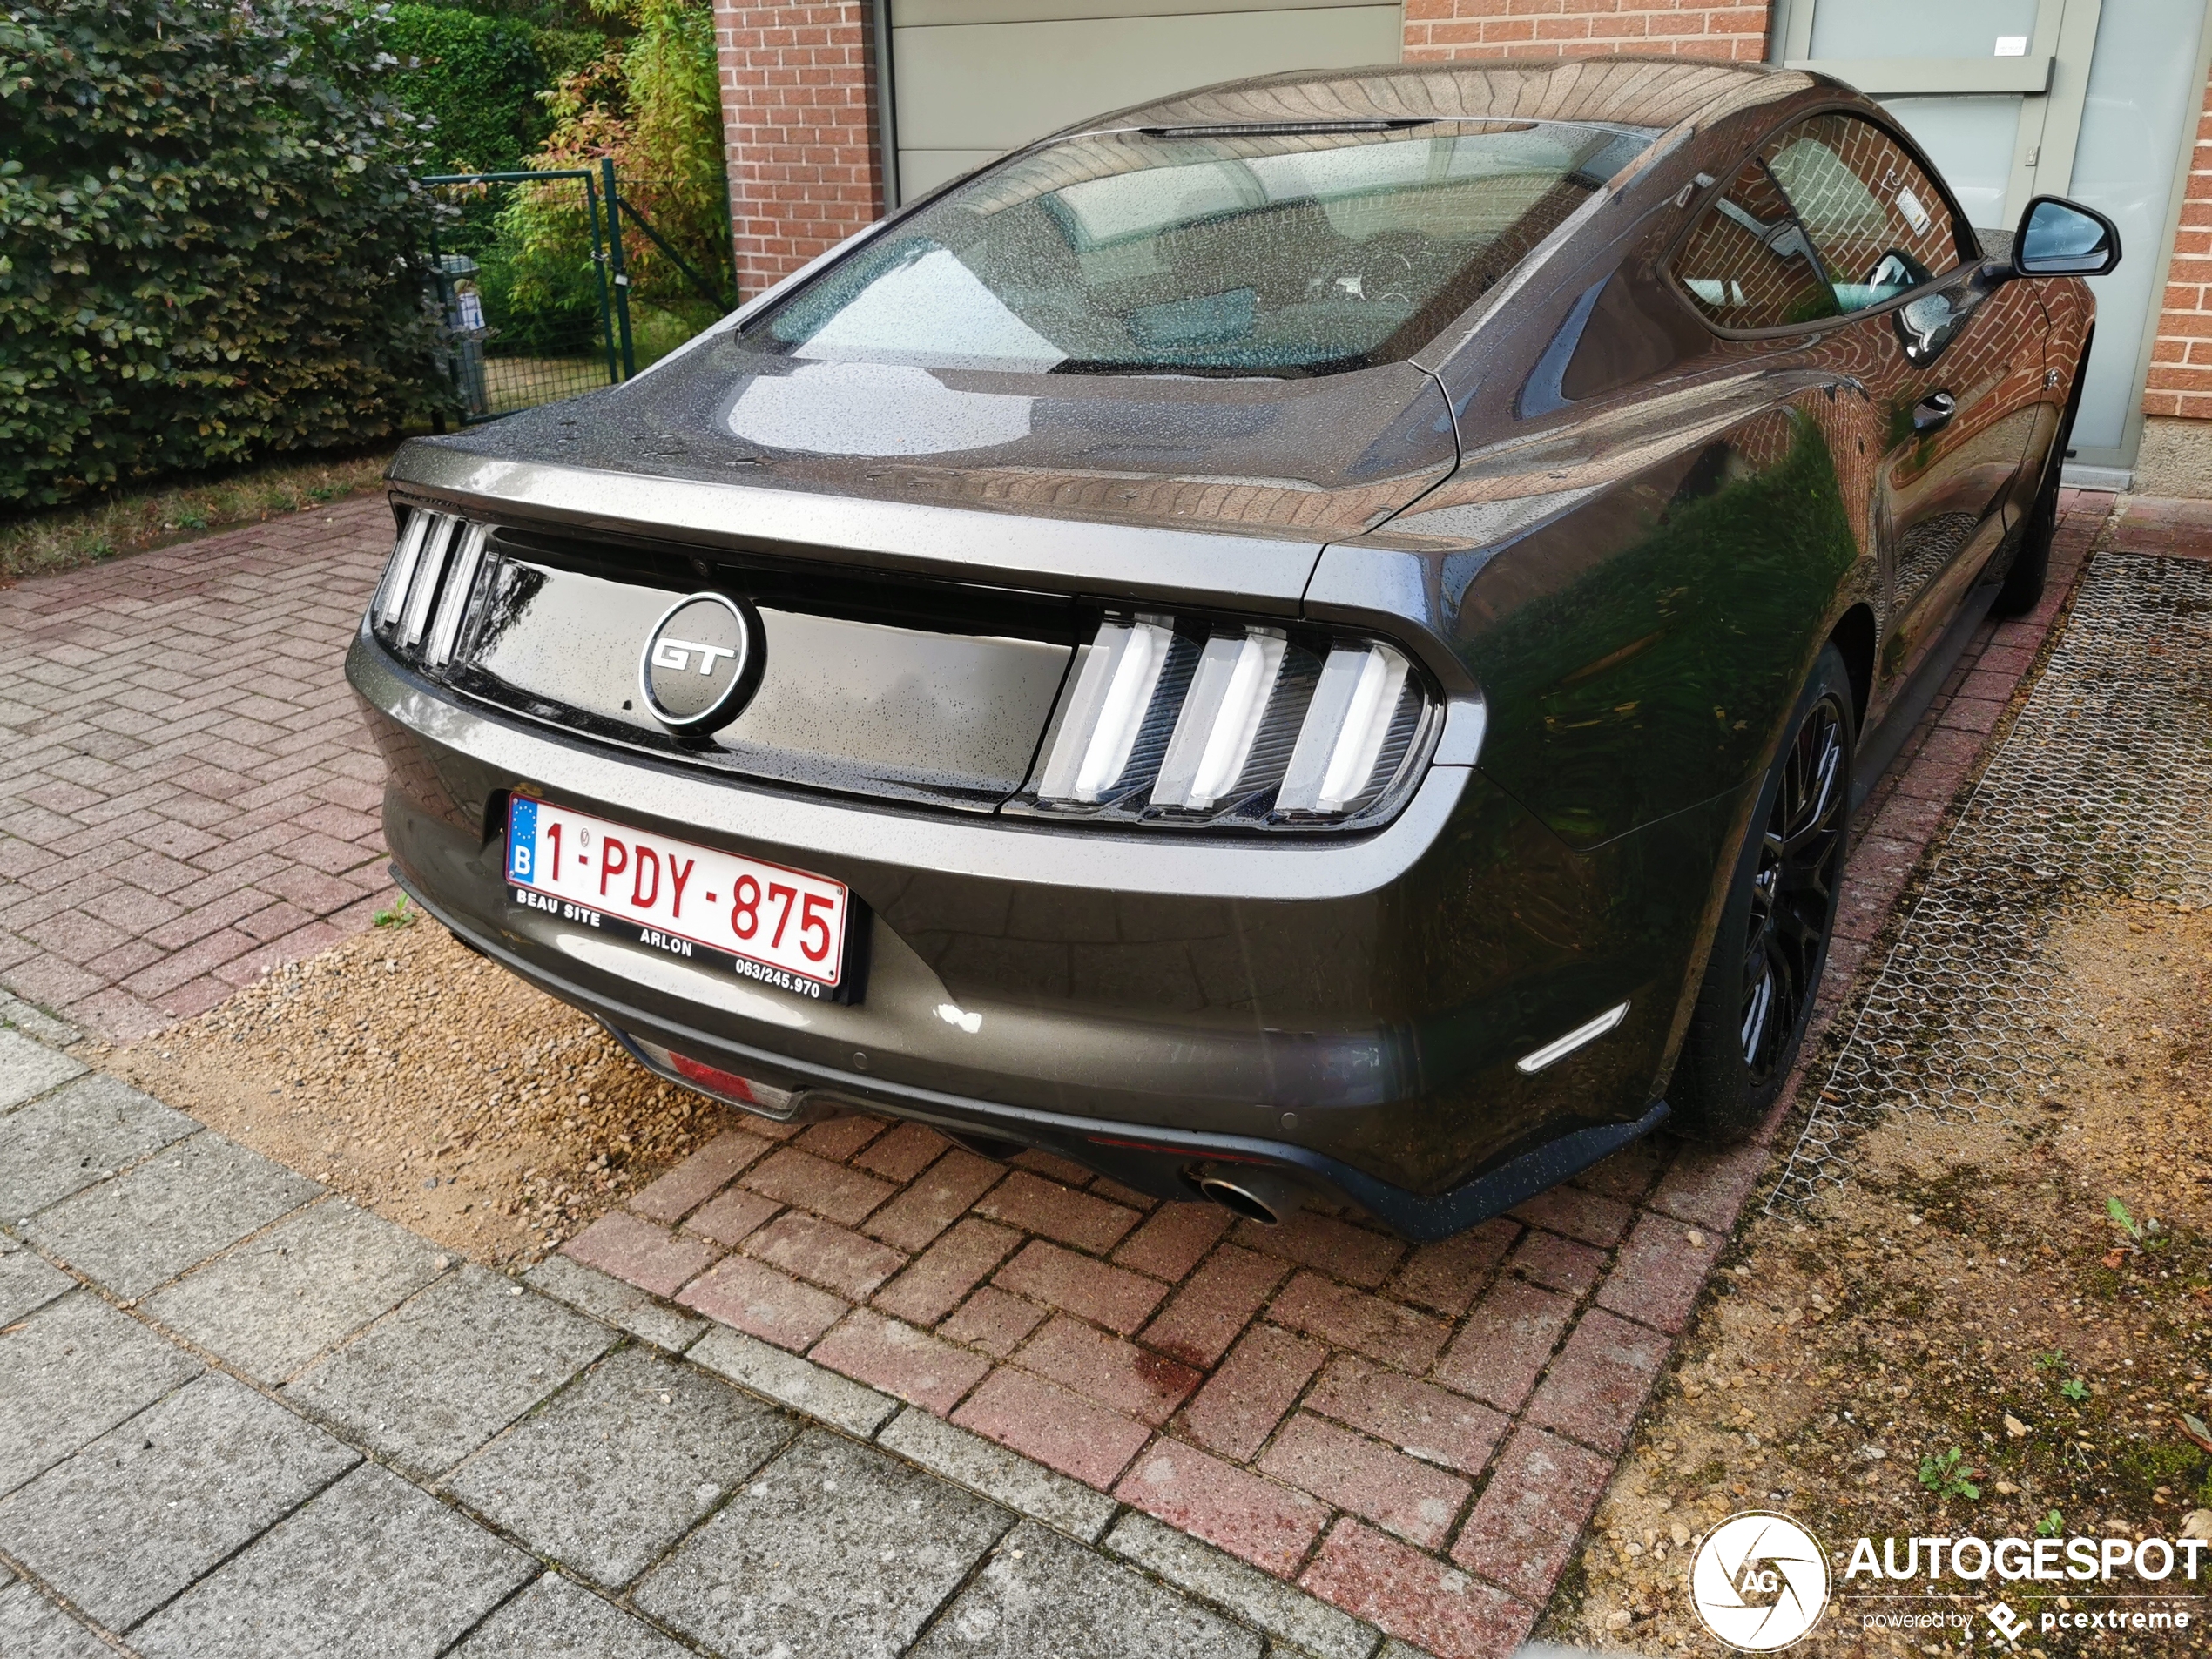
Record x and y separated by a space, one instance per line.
131 521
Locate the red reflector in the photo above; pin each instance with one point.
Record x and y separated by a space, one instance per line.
723 1082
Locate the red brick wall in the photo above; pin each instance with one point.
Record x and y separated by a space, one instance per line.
799 130
1545 28
2181 370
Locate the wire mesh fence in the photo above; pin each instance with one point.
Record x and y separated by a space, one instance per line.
536 290
2103 789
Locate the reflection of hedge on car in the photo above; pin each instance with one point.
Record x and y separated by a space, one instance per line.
211 238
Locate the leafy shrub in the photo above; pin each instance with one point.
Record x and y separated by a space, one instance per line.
480 79
209 239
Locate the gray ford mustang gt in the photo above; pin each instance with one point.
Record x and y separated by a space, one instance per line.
1314 638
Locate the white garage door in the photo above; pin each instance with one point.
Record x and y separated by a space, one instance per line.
972 78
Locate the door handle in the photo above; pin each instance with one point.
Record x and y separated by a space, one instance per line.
1934 412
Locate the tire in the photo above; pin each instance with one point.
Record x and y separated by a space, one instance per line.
1780 912
2023 589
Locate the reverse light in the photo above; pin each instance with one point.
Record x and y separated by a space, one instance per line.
1175 721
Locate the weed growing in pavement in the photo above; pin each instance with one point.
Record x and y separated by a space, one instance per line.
2052 1360
2051 1526
397 917
1945 1477
2074 1388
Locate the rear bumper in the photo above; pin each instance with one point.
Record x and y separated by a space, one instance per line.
1350 1013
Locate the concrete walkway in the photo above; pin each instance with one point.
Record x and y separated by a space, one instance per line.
1321 1433
245 1418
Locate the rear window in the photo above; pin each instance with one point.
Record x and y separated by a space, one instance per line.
1264 251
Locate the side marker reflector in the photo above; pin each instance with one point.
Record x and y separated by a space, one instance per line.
1564 1046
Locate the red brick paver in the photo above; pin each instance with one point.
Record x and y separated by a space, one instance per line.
187 794
1417 1433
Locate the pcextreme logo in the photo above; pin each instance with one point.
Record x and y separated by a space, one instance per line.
1759 1581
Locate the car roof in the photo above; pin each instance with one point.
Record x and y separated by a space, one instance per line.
1658 92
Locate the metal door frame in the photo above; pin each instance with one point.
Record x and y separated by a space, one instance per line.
2053 82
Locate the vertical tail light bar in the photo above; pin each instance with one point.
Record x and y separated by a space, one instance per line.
453 602
421 606
1121 671
1219 718
1345 727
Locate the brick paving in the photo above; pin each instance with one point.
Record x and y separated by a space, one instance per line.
1413 1437
187 796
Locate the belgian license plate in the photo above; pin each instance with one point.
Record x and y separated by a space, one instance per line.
768 922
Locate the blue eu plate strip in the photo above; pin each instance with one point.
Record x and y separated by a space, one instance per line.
522 838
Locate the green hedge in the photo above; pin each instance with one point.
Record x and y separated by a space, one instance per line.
479 78
210 239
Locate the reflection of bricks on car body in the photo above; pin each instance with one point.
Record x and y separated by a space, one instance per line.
1112 1297
699 1177
1062 1430
1505 1343
1174 1240
1381 1330
833 1256
1250 1516
895 1357
1446 1275
1214 1305
1112 1371
934 1201
1414 1597
1587 1216
1415 1501
1558 1264
1037 1205
933 1285
992 1321
1421 1419
831 1190
635 1250
1598 1383
1338 1248
755 1297
1247 1394
1659 1273
1525 1526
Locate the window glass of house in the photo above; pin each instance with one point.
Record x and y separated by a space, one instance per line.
1748 264
1877 220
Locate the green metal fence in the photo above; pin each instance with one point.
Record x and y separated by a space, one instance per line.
533 289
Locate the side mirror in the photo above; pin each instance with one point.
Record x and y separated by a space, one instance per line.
2059 238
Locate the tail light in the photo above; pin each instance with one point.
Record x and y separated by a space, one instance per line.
1229 724
423 600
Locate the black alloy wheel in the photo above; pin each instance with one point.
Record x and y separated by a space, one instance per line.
1794 890
1775 922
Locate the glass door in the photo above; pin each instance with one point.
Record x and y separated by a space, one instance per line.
2014 99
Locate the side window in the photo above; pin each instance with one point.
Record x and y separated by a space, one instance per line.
1877 220
1748 264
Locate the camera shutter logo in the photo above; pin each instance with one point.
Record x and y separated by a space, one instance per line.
1759 1581
700 662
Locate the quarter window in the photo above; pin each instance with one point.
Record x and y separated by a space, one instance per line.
1877 222
1749 263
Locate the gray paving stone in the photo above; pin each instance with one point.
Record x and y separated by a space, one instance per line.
1041 1596
997 1473
1259 1598
172 1212
28 1069
604 1296
149 1506
619 1467
834 1551
449 1369
33 1627
72 1372
26 1281
36 1023
371 1569
84 1133
801 1384
277 1301
554 1619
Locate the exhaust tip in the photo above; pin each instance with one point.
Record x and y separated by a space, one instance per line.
1257 1195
